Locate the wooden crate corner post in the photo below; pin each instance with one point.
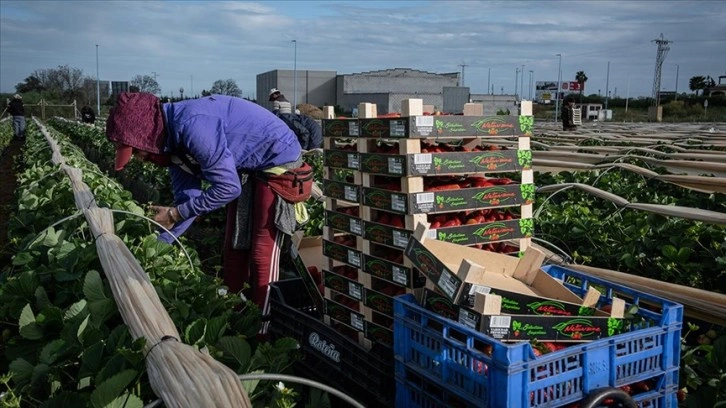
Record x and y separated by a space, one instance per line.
526 108
367 110
328 112
473 109
412 107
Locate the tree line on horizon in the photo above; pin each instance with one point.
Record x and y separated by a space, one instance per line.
66 84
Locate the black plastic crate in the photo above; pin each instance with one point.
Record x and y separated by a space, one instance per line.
328 355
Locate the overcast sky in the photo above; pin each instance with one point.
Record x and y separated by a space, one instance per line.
191 44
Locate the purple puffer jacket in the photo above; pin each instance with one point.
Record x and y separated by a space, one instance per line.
222 134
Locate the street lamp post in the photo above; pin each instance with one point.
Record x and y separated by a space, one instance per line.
294 79
181 93
531 82
521 82
98 87
559 84
607 87
676 92
516 83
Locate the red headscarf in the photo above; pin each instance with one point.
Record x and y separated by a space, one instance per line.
135 123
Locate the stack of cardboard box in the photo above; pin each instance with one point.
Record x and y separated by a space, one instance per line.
385 174
506 297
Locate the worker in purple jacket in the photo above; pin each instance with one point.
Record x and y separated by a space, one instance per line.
217 139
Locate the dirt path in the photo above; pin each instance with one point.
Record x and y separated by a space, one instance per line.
8 184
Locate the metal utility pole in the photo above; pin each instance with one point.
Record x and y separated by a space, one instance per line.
627 95
559 85
531 83
463 66
489 78
663 49
676 96
607 86
294 79
521 82
98 87
516 83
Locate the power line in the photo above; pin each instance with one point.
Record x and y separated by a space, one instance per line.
705 40
620 48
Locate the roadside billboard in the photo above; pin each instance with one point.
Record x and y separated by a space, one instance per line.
546 91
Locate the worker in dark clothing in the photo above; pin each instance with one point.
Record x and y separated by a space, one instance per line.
87 115
16 109
568 114
309 133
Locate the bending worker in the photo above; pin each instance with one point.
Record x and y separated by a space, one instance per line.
231 143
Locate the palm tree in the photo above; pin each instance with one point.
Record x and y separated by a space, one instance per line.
696 83
581 78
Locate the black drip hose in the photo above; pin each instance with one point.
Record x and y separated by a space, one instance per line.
597 397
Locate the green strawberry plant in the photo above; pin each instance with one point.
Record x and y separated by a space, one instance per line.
6 135
703 369
63 340
596 232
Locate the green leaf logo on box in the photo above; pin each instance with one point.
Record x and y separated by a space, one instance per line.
526 124
524 157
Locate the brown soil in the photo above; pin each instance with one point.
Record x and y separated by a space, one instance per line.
8 184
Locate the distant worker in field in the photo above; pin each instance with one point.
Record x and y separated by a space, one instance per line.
17 111
250 160
88 115
568 114
280 104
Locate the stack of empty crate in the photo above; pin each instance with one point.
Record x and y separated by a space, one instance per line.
383 175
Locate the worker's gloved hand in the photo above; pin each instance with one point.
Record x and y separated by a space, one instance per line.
166 216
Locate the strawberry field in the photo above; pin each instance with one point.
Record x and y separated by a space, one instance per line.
64 343
63 339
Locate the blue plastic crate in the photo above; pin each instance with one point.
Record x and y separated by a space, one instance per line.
440 362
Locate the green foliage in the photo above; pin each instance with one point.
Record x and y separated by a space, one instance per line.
703 369
682 110
64 342
6 135
595 232
697 83
315 208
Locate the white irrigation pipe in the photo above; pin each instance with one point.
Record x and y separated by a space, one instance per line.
62 220
34 182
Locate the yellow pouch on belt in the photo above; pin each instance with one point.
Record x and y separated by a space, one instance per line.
275 170
301 213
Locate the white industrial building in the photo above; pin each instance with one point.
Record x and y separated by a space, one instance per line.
386 88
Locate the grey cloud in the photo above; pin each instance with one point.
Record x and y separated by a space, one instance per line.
213 40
